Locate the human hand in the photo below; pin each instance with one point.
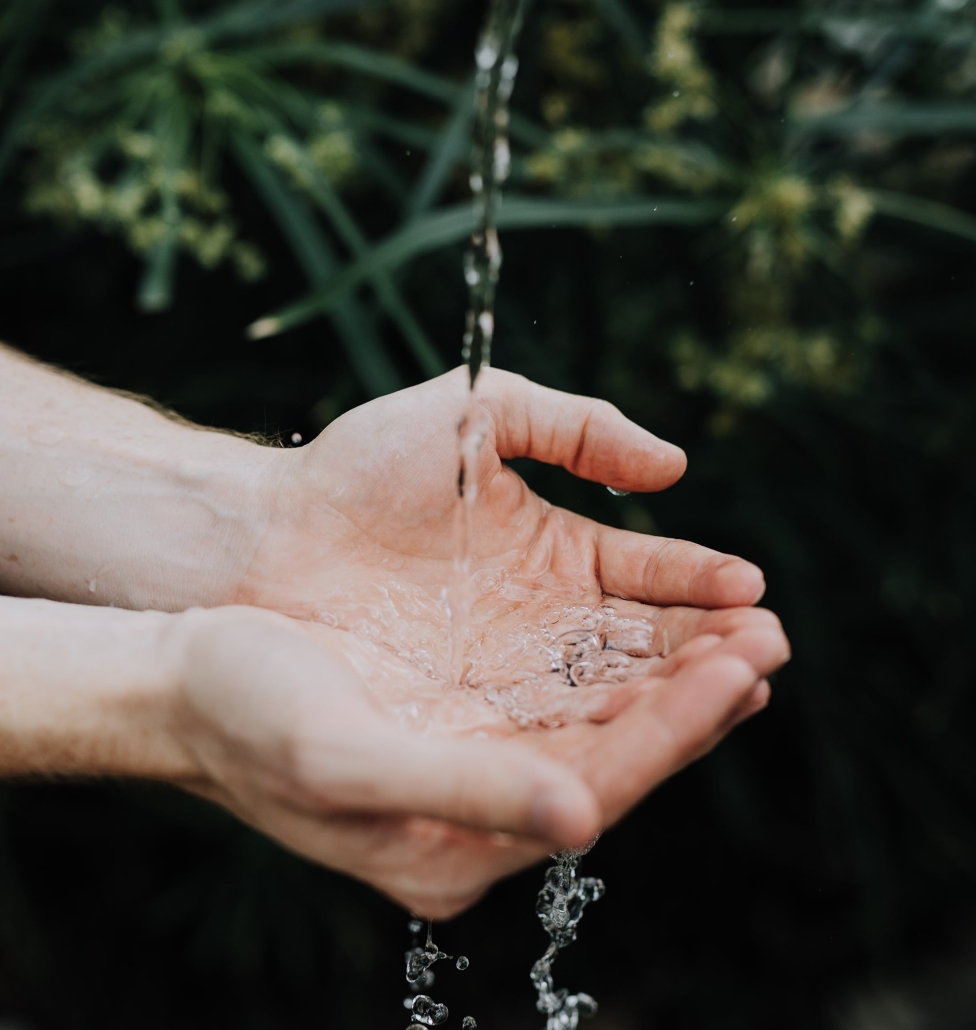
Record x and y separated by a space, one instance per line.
282 731
360 544
372 500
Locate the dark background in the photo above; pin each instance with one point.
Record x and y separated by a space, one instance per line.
817 869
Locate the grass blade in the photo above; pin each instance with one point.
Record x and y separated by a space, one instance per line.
366 353
173 133
894 119
254 16
453 224
322 192
618 16
454 139
358 58
929 213
906 24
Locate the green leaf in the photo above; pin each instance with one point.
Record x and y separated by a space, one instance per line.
259 16
909 119
358 58
321 191
618 15
455 138
173 133
366 353
929 213
249 18
453 224
897 23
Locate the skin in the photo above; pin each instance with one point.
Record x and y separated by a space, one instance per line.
259 705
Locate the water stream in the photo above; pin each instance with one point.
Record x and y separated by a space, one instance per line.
577 652
495 68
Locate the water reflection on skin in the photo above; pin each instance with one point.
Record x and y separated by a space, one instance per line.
537 653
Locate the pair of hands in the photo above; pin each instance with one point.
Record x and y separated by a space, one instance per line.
276 716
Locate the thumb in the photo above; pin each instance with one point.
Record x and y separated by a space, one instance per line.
589 437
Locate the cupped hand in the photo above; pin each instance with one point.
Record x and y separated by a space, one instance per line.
360 547
373 499
284 732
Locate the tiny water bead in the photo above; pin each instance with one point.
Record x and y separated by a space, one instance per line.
468 1023
618 493
462 962
296 438
415 926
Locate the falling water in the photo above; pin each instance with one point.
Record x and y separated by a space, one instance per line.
560 907
496 66
420 960
585 653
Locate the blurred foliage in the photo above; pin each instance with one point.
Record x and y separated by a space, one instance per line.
752 228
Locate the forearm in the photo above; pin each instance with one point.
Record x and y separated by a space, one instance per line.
90 692
105 501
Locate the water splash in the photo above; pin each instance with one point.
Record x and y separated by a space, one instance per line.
560 907
569 647
420 960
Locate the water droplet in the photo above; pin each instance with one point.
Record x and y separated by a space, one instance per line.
428 1011
486 55
618 493
468 1023
585 1005
92 586
296 438
676 93
415 926
462 962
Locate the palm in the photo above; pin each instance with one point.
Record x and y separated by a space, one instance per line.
633 736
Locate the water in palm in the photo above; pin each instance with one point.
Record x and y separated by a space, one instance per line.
576 649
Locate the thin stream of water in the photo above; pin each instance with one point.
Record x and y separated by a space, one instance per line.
583 652
496 66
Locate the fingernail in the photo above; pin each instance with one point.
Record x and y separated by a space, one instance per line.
748 582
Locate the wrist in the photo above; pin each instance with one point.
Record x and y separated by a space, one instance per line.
106 501
225 490
90 692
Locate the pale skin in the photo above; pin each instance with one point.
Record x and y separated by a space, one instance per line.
219 680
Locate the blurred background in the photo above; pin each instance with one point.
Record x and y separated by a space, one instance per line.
751 227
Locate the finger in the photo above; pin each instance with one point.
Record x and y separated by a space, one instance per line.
589 437
482 784
658 570
662 732
754 703
761 642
